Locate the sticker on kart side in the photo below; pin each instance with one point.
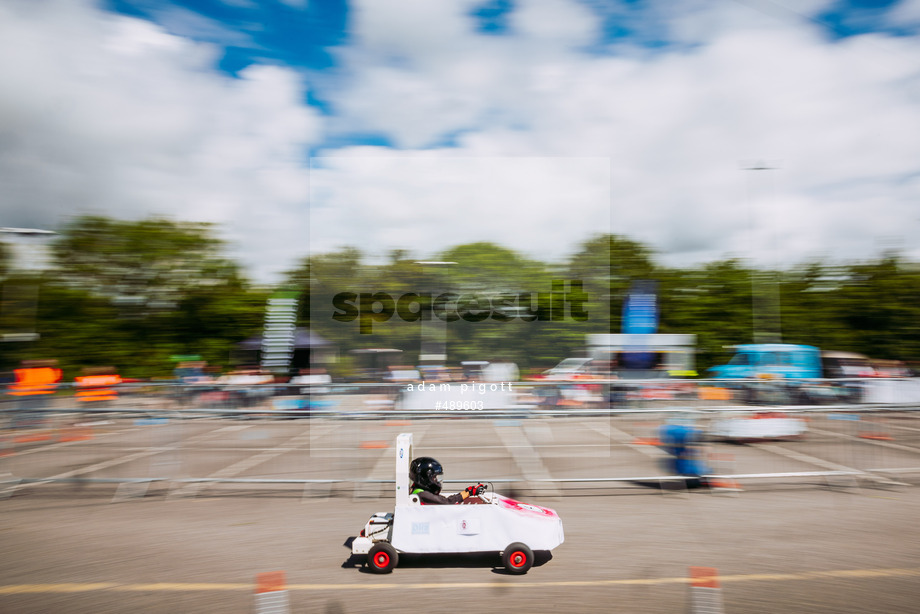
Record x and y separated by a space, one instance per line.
468 526
525 507
421 528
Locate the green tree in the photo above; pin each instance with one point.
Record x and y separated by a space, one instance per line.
879 304
609 264
142 266
712 302
4 259
130 294
502 277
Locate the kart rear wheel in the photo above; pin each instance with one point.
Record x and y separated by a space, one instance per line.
382 557
517 558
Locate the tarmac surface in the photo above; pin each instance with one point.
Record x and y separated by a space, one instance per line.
798 543
787 549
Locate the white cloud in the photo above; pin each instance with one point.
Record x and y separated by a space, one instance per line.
378 200
108 114
555 22
905 13
549 143
677 124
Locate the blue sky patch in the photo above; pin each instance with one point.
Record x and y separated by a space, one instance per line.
252 32
492 16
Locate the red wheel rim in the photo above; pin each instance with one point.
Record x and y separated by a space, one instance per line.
381 559
518 559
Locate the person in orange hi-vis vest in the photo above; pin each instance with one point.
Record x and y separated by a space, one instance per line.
36 382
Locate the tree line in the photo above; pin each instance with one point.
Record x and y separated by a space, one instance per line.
136 295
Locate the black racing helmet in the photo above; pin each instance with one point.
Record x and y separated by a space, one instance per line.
424 472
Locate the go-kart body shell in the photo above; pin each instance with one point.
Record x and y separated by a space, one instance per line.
762 426
492 524
488 526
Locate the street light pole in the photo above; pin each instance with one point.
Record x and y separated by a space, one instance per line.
766 318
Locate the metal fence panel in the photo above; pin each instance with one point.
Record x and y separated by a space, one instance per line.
196 439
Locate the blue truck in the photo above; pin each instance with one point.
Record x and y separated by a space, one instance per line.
771 360
790 373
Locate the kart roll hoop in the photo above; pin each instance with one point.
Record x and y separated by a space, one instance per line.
403 458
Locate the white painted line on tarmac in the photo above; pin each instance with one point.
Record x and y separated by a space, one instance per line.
527 459
322 430
119 460
75 587
303 439
61 444
812 460
102 465
894 425
351 449
804 458
874 442
624 438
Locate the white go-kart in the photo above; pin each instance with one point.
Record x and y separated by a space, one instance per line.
481 524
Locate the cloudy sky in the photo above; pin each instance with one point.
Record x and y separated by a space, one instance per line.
307 125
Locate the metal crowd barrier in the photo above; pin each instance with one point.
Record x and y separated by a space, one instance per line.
554 437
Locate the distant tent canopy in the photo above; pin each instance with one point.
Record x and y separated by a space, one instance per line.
310 350
304 339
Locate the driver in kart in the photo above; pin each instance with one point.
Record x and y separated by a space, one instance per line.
424 473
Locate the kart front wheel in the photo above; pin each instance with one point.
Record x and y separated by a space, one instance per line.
517 558
382 557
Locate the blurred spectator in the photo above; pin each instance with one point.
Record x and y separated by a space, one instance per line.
402 374
247 387
192 372
312 381
891 368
